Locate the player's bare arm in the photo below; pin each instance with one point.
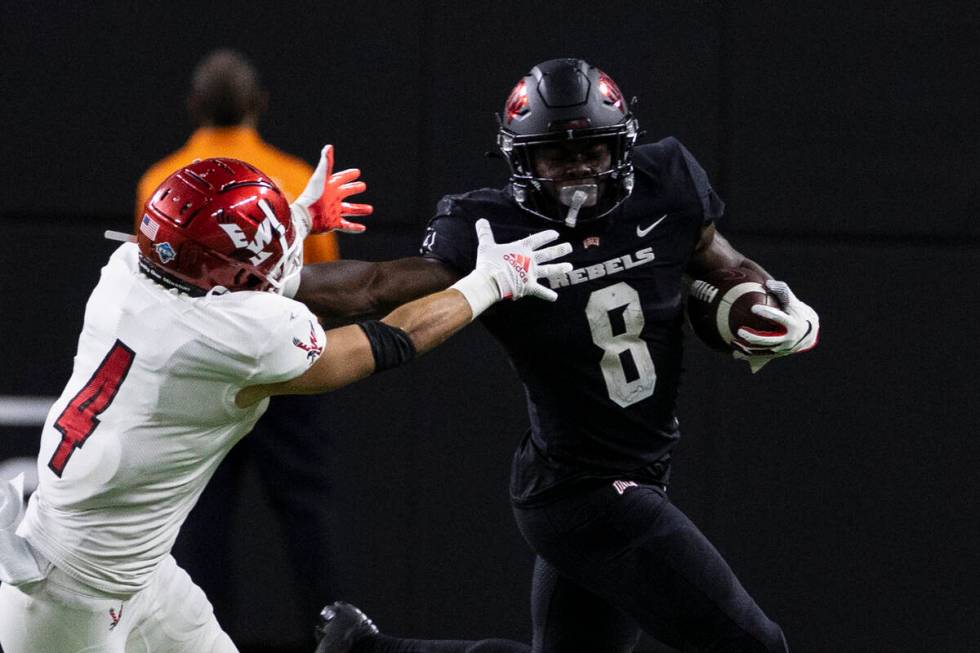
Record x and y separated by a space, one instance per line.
715 252
348 356
503 271
355 288
359 288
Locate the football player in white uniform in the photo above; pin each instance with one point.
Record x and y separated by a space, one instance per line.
188 333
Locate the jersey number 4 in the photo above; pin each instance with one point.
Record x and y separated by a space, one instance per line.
616 321
81 416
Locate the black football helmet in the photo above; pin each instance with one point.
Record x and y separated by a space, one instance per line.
565 101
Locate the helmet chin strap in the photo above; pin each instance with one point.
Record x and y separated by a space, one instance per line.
281 277
575 197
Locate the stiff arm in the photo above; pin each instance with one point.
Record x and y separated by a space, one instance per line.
347 357
345 289
502 271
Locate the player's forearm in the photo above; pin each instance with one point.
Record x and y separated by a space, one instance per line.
339 289
359 288
714 252
433 319
748 263
356 351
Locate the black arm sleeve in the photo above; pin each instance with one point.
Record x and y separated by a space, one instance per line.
390 345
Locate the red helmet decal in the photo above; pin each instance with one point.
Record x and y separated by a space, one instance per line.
517 103
610 92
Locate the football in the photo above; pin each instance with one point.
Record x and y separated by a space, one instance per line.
721 302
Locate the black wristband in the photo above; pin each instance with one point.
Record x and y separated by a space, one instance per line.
390 345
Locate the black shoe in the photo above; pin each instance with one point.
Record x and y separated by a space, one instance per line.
340 626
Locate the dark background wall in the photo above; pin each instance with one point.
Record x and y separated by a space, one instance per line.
841 485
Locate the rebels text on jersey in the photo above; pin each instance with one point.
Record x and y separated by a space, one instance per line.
601 365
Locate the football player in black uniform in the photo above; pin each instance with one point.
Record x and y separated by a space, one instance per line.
600 367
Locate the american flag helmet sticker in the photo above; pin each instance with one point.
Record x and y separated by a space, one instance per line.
149 228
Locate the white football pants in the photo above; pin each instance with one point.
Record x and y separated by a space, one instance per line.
61 615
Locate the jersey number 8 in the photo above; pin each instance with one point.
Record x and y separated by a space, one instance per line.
616 321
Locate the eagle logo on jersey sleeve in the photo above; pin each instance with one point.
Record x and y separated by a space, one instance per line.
313 349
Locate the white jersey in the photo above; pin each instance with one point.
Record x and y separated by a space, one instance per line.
148 414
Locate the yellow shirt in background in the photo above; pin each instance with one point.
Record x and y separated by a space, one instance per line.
288 172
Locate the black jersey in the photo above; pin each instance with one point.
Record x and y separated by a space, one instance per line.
601 365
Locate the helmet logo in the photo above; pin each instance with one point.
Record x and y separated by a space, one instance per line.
263 234
517 103
610 92
165 251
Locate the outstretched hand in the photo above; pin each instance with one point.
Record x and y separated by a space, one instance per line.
511 270
321 206
516 267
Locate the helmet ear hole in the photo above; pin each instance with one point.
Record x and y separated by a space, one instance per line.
247 280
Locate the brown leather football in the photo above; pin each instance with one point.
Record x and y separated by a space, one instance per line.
720 303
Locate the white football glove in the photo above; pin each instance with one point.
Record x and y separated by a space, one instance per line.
800 323
511 270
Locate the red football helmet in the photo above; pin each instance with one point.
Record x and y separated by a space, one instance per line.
218 224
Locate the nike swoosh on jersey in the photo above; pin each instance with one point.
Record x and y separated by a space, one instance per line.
643 232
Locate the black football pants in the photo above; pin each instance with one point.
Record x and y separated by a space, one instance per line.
610 565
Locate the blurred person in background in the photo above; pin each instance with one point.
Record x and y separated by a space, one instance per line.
225 103
289 447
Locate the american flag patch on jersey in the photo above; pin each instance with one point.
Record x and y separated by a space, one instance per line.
149 228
